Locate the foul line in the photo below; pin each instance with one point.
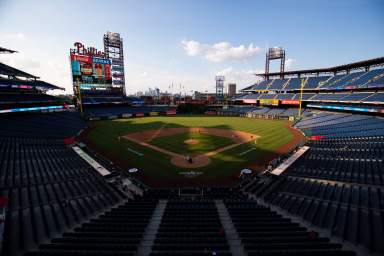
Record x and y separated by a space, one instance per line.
170 153
157 132
247 151
135 152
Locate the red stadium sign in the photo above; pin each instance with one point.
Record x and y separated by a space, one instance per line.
317 137
82 58
90 51
171 112
290 102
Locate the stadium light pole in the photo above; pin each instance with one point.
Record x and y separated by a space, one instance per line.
301 96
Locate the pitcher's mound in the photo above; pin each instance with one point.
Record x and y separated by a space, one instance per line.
191 142
197 161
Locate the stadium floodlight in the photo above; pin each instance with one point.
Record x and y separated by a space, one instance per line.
274 54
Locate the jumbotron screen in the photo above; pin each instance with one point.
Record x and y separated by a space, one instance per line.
92 73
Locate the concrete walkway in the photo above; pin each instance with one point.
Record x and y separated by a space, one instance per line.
149 236
233 238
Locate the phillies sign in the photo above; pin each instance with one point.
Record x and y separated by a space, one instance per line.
90 51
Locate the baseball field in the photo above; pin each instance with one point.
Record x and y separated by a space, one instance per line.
191 150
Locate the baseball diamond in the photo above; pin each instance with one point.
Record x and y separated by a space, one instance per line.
216 151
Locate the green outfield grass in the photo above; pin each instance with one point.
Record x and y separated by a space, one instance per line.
207 143
157 167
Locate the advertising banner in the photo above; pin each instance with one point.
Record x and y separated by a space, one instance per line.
171 112
269 102
250 101
290 102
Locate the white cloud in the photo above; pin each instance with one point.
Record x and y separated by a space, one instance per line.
289 63
242 78
20 61
51 71
14 36
219 52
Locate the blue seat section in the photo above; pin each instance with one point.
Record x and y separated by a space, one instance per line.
350 211
278 84
262 110
337 185
275 111
263 85
341 125
357 96
306 96
117 231
264 232
330 81
315 118
329 96
357 160
267 96
315 82
370 79
290 112
190 227
344 80
293 84
285 96
50 189
47 125
375 97
13 98
365 78
379 82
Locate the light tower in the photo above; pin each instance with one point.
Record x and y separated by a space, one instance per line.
113 48
274 54
220 86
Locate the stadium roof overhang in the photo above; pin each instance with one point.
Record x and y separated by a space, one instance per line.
5 50
10 71
334 70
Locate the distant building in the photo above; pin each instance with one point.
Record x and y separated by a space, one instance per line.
231 89
196 95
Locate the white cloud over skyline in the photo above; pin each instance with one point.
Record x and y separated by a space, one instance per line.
218 52
289 63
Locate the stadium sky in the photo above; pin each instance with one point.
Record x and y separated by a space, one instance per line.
188 42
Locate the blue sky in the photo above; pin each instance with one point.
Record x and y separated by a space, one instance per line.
191 41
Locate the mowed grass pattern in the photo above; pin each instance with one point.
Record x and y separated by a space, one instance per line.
206 143
104 137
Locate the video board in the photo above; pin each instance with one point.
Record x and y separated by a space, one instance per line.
90 68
